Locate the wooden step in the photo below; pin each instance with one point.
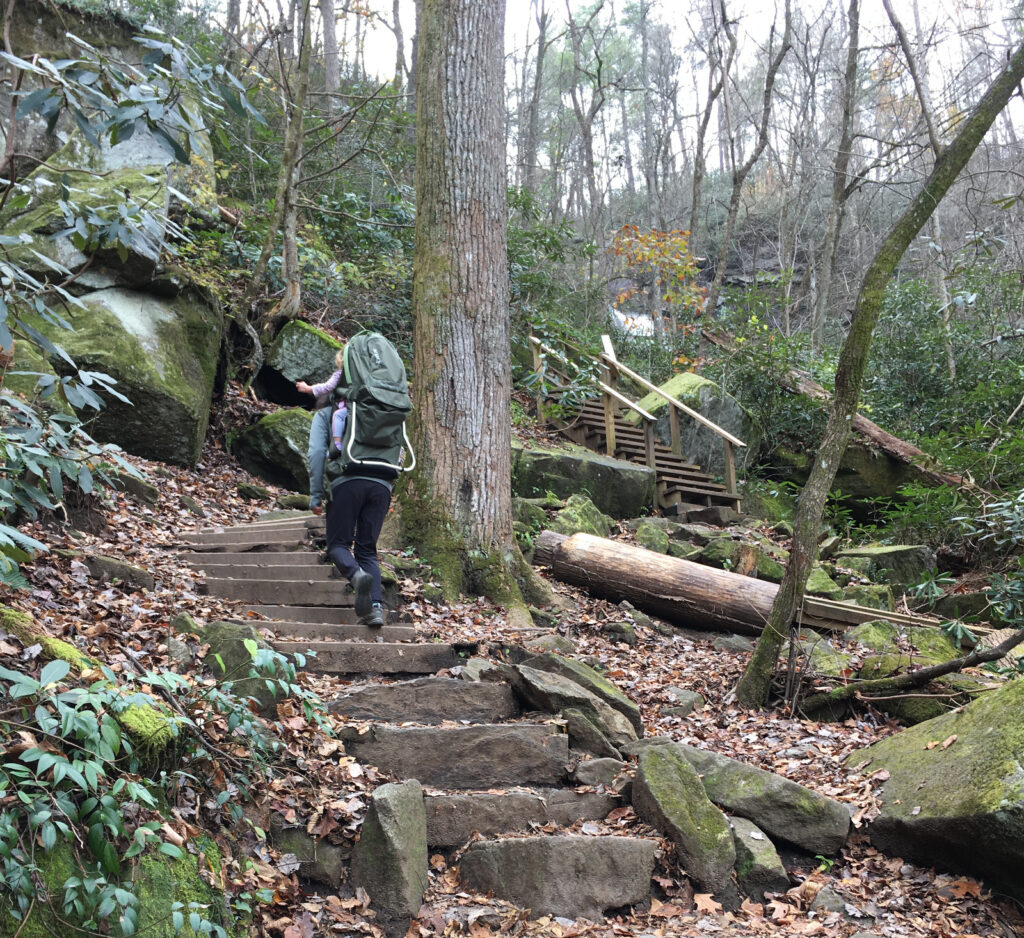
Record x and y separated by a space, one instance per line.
371 657
341 614
286 592
278 557
313 571
248 543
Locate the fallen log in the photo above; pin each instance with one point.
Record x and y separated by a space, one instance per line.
680 591
687 593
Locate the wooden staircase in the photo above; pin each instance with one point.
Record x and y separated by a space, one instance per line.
600 424
678 481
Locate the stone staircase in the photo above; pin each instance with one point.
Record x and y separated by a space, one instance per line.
488 768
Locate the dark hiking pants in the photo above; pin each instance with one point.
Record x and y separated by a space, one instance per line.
355 516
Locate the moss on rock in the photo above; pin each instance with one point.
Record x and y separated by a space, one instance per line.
274 448
580 514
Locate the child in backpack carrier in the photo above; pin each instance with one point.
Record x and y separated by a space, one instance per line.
322 392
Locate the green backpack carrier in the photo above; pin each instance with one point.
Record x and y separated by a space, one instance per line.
375 388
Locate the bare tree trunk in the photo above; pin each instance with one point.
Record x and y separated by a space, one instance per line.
462 376
739 176
330 26
400 69
649 148
295 107
840 190
531 146
752 689
919 74
627 152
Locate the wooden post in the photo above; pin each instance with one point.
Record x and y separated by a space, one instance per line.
730 469
673 426
609 423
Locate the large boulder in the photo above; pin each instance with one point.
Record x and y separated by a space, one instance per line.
778 806
300 352
618 488
137 177
581 515
899 565
162 352
701 445
668 794
954 792
274 448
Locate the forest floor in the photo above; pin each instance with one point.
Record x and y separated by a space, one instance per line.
317 783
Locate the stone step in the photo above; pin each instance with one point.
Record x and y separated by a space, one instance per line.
372 657
452 820
286 592
299 558
461 757
569 875
324 631
428 700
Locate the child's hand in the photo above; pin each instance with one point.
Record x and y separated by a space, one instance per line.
302 387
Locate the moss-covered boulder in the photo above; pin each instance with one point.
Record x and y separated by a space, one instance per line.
778 806
620 489
274 448
668 794
819 583
162 352
699 444
652 537
821 655
900 565
137 173
586 735
158 882
954 792
872 595
590 679
580 514
113 570
300 352
773 505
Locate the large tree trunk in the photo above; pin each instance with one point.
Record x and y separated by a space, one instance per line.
462 383
753 687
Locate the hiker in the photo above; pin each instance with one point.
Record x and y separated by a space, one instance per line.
361 467
322 396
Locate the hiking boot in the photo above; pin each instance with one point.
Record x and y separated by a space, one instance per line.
362 583
374 617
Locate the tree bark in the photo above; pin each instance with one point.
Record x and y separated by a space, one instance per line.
462 380
752 689
531 139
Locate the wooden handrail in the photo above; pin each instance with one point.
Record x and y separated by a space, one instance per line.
621 398
643 382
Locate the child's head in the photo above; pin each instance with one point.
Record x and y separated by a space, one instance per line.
339 358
